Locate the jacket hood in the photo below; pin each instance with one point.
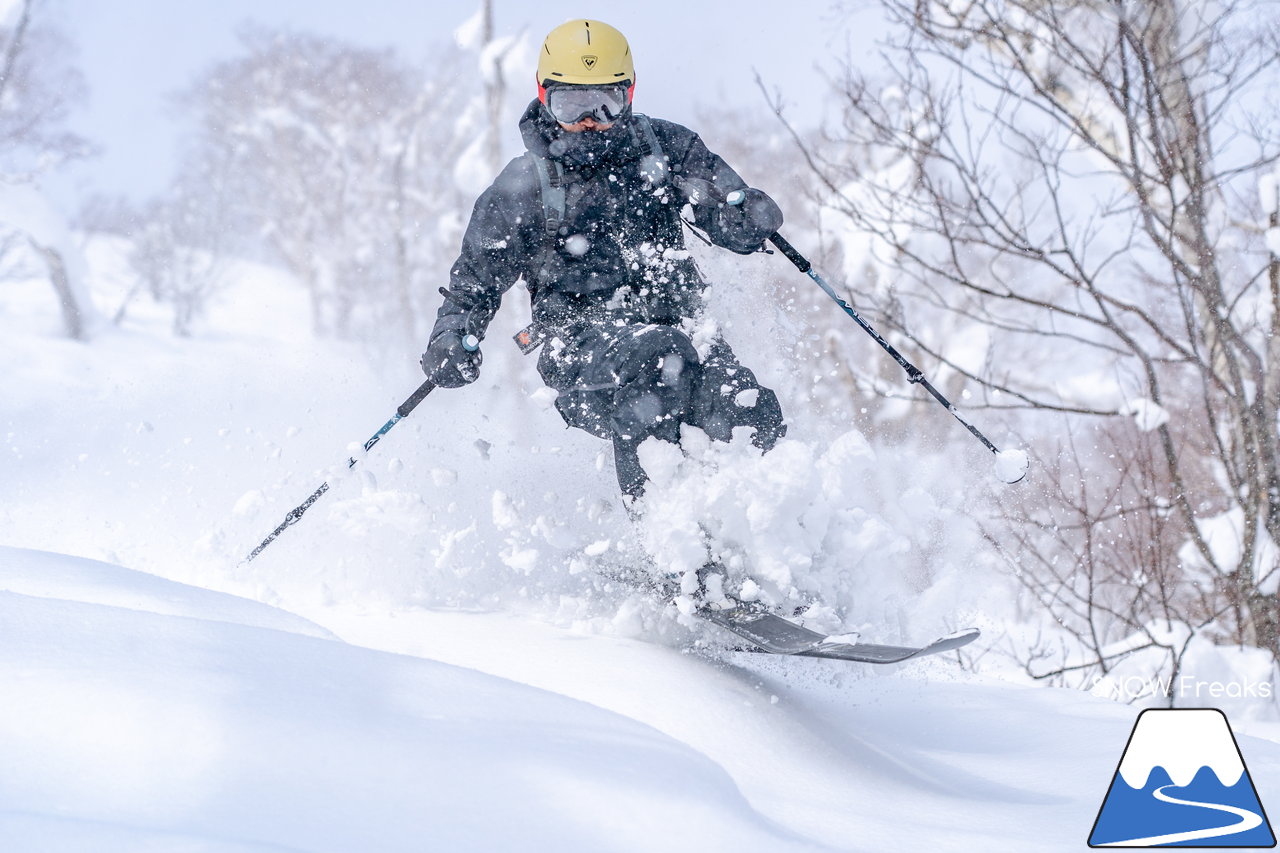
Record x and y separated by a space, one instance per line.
543 136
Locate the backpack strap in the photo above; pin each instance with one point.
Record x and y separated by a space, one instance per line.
649 139
654 166
551 186
554 204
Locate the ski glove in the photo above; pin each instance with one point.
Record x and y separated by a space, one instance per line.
744 227
447 362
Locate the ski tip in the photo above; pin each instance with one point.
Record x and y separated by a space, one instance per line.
952 641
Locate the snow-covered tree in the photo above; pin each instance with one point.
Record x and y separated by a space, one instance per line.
342 158
496 59
38 88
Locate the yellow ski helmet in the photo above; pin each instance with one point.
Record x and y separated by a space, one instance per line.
585 53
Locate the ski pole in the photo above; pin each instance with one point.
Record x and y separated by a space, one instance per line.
1011 465
469 342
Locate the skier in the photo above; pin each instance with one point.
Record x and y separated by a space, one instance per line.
590 219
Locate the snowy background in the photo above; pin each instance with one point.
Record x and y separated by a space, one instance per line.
435 657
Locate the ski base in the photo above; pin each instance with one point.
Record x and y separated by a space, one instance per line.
770 633
876 653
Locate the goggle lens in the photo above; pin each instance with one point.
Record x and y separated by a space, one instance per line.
571 104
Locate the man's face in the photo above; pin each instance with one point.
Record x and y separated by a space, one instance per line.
587 123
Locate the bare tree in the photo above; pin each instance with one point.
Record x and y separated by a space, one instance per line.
1059 196
1098 549
37 90
178 257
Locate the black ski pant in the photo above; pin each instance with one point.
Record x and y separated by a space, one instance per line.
627 382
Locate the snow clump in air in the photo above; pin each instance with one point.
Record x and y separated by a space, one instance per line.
1011 465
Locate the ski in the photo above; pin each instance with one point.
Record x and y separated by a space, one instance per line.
876 653
770 633
776 635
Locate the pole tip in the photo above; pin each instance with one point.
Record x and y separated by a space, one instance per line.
1011 465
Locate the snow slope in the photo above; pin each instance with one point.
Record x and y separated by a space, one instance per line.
142 714
456 564
915 758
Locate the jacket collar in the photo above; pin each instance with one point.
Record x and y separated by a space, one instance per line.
545 138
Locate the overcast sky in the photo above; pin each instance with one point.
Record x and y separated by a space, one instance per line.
135 52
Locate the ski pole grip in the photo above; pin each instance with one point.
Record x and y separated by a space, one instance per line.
790 252
415 398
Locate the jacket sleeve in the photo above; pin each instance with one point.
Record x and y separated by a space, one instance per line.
498 248
705 178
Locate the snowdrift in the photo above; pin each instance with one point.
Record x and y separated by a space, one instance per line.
141 714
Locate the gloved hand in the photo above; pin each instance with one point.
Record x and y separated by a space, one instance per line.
448 363
744 227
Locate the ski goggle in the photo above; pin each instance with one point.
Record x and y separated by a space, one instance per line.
570 104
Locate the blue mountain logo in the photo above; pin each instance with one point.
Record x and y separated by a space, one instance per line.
1182 782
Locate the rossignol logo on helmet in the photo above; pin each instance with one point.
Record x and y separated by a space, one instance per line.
590 61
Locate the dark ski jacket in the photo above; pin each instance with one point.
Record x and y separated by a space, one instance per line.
619 254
